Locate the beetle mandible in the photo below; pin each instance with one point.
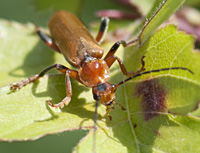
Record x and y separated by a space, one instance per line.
72 39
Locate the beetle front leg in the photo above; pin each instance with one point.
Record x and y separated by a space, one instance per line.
67 99
119 105
68 72
34 78
112 59
23 83
108 109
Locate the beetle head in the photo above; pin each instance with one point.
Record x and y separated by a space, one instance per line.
105 93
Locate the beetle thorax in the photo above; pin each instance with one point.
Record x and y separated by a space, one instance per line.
94 72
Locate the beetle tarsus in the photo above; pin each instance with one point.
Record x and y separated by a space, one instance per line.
110 117
59 105
140 70
119 105
143 63
108 109
23 83
64 102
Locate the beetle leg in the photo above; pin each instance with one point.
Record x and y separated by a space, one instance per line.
68 72
67 99
116 45
22 83
59 67
112 59
108 109
119 105
129 43
113 50
47 40
102 30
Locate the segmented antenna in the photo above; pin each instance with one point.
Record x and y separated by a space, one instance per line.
153 71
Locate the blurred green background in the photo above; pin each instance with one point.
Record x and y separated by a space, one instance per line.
39 12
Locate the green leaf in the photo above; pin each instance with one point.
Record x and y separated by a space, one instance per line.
25 116
160 12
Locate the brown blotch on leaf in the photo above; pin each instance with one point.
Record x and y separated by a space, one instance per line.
157 133
135 125
153 98
196 107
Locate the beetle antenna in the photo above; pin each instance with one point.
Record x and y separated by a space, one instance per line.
153 71
95 125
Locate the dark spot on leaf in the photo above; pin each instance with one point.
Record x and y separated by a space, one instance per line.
158 133
135 125
196 107
173 113
153 98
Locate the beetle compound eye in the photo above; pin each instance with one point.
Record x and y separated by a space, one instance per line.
95 96
109 103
